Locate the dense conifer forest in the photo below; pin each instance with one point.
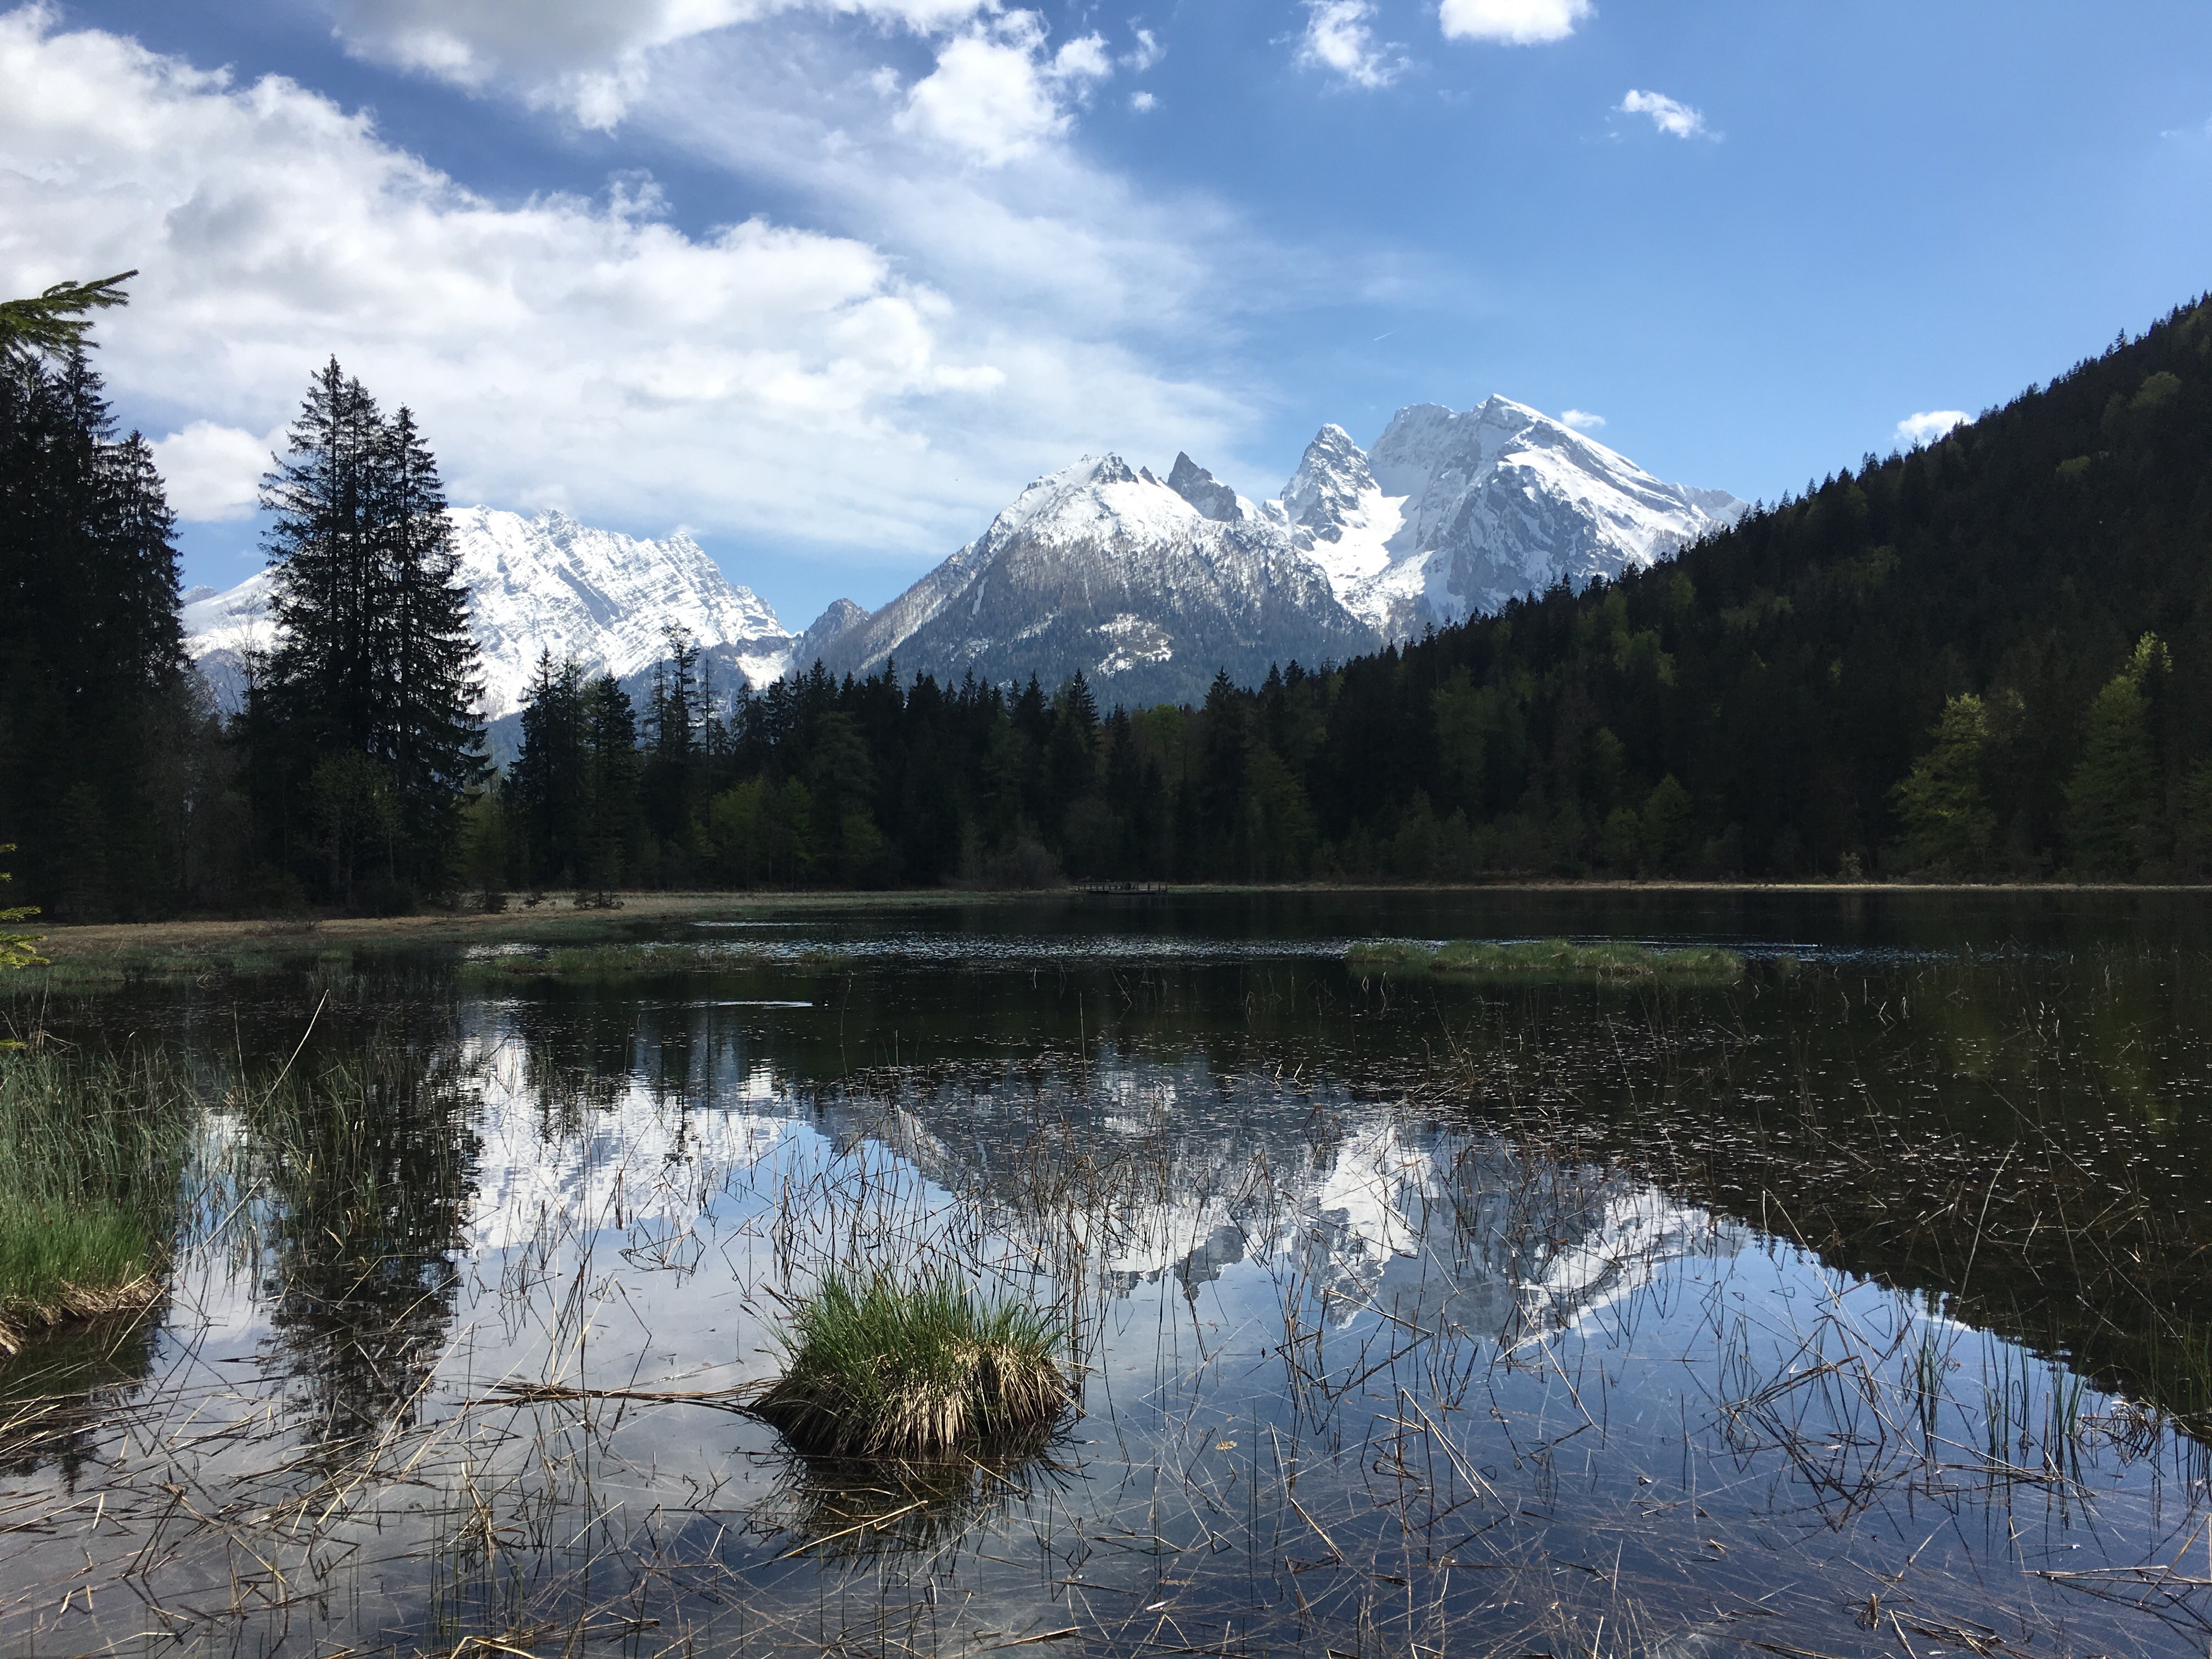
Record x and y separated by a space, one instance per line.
1985 658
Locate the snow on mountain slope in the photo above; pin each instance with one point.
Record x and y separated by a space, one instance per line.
1100 567
1452 515
544 584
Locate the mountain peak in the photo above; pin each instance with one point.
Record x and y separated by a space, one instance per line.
1213 499
549 583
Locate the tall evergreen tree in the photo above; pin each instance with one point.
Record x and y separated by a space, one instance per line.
374 657
430 737
94 705
548 782
610 832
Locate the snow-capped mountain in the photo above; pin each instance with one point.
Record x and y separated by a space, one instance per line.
544 584
1451 514
1147 589
1148 585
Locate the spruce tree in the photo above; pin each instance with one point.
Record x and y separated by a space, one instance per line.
609 836
374 657
430 737
548 782
1946 810
94 690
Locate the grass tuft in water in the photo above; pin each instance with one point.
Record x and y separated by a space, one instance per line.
884 1369
1553 959
91 1151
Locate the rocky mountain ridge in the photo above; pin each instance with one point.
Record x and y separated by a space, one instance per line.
1150 585
1147 585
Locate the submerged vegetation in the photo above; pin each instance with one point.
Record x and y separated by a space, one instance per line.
1552 959
883 1368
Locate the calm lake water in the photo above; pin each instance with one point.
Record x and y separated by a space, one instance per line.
1859 1307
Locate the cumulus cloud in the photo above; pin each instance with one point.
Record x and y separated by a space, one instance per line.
1337 39
994 95
1147 52
585 57
213 472
1671 116
1581 420
1143 102
559 351
1929 425
1512 23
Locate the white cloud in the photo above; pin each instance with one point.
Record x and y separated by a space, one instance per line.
1147 52
586 57
1581 420
1337 39
560 352
1512 23
214 472
994 97
1929 425
1670 116
1143 102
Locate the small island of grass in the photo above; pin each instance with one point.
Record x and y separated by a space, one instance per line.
913 1370
1554 959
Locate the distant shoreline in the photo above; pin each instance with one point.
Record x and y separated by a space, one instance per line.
556 914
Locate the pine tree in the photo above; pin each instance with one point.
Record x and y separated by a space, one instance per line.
430 738
2112 798
323 678
374 656
1944 806
548 783
610 832
93 697
672 779
53 325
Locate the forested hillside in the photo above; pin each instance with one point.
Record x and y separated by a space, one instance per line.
1789 673
2037 587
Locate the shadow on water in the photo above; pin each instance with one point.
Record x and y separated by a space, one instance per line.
1856 1307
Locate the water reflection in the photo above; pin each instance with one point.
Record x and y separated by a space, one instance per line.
1828 1314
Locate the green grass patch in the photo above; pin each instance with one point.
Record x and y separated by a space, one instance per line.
1551 959
91 1155
918 1369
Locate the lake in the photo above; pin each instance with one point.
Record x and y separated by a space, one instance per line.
1857 1306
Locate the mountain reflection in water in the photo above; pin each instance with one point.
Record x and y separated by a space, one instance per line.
1571 1323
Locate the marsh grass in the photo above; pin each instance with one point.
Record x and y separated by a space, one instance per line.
114 971
1554 960
92 1152
879 1368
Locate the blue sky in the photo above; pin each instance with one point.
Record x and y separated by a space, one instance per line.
825 282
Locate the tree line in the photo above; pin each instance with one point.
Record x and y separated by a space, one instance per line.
125 794
1988 657
1985 657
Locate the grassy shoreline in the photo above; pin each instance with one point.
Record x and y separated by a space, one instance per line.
556 917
